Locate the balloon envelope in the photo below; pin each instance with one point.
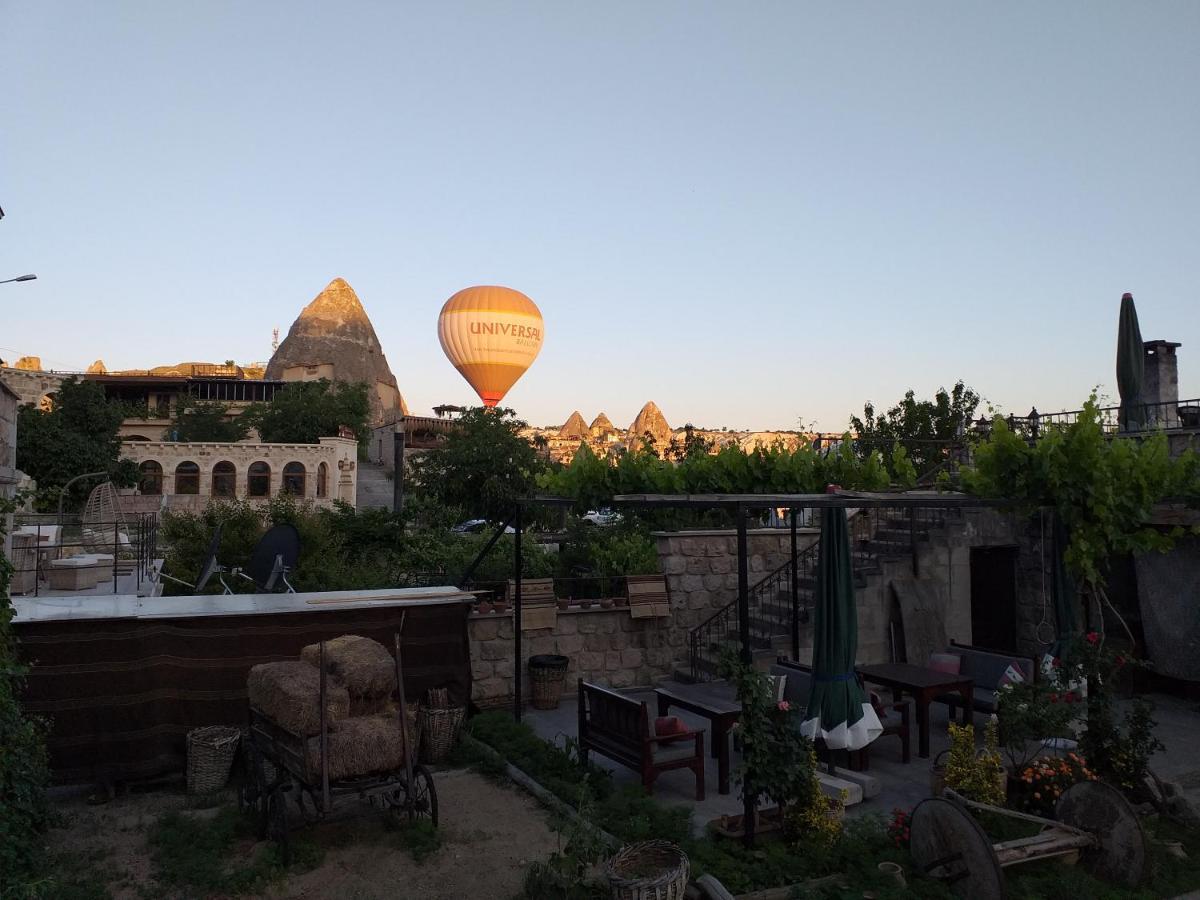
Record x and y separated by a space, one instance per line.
492 335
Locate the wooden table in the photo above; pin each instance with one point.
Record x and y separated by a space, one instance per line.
924 684
716 703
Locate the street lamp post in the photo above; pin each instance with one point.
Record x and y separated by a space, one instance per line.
20 278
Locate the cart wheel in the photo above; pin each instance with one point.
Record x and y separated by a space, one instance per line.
275 822
948 844
418 800
250 788
1120 852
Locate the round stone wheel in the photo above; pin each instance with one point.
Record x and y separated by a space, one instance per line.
1121 849
947 843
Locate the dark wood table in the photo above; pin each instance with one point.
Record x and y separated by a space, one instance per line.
924 685
715 702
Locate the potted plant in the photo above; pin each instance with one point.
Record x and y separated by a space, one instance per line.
484 606
606 602
585 603
501 604
563 603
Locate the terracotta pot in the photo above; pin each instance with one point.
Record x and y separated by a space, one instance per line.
563 604
585 604
606 603
501 606
483 607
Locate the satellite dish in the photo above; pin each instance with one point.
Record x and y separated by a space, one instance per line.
274 556
210 566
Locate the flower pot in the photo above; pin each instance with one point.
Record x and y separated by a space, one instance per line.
893 871
606 603
501 606
621 601
483 607
563 603
585 604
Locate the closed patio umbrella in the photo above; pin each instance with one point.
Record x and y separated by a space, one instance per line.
1063 590
838 710
1131 367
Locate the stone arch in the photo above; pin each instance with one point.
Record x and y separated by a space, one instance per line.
187 478
323 480
150 477
258 479
224 479
295 479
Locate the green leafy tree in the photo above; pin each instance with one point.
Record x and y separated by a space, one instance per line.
484 466
926 429
24 773
79 435
303 412
1103 489
198 420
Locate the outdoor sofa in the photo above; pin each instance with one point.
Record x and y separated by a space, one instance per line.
986 668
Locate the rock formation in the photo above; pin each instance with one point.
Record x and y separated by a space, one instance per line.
602 426
97 368
29 364
649 421
333 338
574 427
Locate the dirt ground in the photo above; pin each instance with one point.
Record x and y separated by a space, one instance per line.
490 833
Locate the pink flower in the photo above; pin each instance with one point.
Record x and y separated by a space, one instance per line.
1092 637
784 705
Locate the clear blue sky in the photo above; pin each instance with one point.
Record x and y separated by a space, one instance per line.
750 213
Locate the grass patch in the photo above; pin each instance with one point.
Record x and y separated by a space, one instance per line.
419 839
210 856
72 876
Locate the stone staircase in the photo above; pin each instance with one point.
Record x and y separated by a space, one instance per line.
880 538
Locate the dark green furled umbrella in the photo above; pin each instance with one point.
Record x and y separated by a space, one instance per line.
1062 589
1131 367
838 711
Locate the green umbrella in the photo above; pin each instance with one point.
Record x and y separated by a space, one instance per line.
1131 367
838 711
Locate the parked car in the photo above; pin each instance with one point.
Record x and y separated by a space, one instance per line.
603 516
477 526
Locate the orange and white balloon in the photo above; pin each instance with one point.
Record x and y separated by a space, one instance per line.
491 335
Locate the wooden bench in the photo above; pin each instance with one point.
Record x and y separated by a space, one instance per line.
619 727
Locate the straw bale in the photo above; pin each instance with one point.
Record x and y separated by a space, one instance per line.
364 666
363 745
289 693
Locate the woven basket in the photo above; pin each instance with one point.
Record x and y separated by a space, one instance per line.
546 676
210 754
649 870
439 731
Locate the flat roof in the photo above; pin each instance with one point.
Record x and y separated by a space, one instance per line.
29 610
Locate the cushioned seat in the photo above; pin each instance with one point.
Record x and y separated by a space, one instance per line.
987 669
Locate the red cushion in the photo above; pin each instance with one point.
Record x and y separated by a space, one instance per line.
668 725
950 663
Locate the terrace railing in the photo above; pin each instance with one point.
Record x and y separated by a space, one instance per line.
38 540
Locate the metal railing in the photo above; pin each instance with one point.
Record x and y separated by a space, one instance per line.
119 550
781 602
1169 415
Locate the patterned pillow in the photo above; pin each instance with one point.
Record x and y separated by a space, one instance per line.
669 725
949 663
1012 675
778 686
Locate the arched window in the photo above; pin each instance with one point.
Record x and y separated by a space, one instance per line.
294 476
258 480
187 478
322 480
150 478
224 480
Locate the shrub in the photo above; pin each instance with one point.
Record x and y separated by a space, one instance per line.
1029 712
1042 782
977 776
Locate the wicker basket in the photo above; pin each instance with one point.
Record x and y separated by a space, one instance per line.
650 870
547 673
439 731
210 754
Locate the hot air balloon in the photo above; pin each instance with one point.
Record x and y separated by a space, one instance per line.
491 335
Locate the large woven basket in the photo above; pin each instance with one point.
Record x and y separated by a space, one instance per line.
210 754
649 870
547 673
439 731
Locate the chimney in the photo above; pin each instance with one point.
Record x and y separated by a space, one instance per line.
1161 384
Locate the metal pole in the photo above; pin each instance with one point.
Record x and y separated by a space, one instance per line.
795 592
398 466
517 664
324 736
743 586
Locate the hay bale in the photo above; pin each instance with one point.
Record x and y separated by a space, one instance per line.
363 745
364 666
289 694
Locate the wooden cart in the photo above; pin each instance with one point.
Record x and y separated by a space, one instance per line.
276 771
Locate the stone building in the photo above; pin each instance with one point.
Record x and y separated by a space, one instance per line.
9 476
189 475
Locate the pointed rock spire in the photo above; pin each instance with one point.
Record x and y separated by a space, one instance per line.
574 427
602 425
650 420
334 331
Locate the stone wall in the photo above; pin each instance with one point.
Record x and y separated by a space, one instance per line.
30 386
605 646
339 456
